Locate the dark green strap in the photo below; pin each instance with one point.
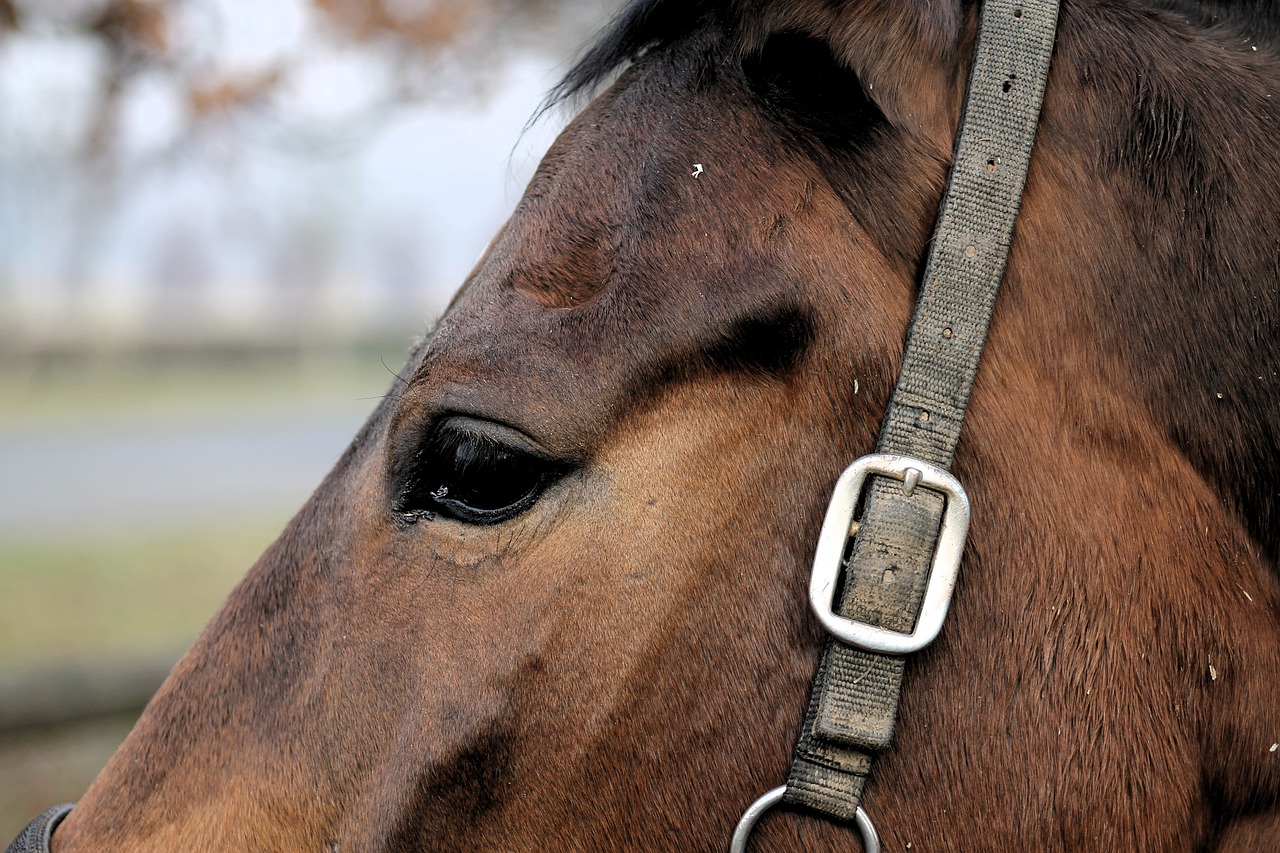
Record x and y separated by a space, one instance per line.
35 838
854 701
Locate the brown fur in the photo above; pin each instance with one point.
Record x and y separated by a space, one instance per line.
624 665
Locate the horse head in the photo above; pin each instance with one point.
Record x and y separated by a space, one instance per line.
553 595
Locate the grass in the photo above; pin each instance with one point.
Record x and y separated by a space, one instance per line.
121 595
160 384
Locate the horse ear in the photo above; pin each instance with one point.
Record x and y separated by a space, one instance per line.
908 56
800 80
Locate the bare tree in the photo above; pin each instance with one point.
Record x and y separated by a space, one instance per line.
422 44
215 105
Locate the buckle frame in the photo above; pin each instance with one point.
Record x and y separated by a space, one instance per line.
943 571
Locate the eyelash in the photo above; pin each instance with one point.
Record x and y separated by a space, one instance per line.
473 478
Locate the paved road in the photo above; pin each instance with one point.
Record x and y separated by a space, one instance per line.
120 472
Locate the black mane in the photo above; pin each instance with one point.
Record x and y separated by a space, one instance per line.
640 25
1255 19
643 24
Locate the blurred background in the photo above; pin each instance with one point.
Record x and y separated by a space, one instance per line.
221 224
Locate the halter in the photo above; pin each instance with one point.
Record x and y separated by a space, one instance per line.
35 838
904 559
901 562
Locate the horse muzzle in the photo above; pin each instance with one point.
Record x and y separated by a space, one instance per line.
35 838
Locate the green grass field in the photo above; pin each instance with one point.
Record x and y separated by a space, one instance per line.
122 595
58 389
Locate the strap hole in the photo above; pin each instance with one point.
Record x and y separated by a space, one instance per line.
1017 13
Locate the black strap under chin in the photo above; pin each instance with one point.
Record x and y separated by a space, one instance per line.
854 701
35 838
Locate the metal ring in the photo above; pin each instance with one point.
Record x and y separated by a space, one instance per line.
738 844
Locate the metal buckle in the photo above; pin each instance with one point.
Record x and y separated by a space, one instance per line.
742 832
942 573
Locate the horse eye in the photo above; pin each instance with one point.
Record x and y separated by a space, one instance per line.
473 478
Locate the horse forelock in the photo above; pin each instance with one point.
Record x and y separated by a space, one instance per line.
900 33
642 24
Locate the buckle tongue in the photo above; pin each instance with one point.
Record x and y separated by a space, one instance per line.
943 571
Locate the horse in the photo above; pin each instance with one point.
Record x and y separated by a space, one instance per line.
553 595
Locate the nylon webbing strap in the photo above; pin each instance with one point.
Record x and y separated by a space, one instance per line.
854 700
35 837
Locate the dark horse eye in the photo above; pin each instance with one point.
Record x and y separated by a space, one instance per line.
473 475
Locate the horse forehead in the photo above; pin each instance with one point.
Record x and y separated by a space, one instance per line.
634 193
647 233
